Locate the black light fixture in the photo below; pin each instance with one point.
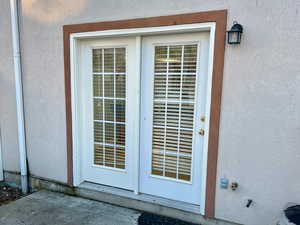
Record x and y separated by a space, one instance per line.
234 35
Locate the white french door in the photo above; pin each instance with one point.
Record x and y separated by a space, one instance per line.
108 148
152 115
174 69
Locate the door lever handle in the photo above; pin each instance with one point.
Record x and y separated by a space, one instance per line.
201 132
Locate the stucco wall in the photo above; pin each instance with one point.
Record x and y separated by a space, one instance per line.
260 123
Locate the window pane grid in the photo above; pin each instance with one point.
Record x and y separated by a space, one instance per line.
109 87
97 97
173 110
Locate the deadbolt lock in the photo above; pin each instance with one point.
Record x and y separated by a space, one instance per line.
201 132
202 118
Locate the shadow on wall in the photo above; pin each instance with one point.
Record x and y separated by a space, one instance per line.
46 11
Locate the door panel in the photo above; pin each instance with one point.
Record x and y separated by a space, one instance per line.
108 151
174 71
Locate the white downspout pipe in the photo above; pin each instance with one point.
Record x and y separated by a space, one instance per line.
19 93
1 166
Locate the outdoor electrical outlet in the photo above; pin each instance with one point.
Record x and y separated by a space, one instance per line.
224 183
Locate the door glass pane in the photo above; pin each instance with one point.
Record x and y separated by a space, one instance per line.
109 97
173 110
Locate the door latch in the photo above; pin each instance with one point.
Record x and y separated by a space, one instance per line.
201 132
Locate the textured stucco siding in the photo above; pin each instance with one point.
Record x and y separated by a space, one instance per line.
260 124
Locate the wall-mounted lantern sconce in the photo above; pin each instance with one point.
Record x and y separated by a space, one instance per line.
234 35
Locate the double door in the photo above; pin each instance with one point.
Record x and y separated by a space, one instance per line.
144 105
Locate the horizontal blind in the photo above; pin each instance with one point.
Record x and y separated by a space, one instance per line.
173 110
109 96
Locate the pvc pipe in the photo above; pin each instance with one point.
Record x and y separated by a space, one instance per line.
19 93
1 166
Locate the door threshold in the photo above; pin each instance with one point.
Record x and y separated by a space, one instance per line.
153 200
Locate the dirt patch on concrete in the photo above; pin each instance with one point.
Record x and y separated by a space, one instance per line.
8 193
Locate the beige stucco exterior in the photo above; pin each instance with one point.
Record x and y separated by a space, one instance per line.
259 143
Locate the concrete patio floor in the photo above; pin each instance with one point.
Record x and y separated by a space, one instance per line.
45 208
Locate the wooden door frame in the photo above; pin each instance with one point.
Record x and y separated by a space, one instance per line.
220 19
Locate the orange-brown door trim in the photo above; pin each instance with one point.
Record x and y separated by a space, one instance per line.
220 18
